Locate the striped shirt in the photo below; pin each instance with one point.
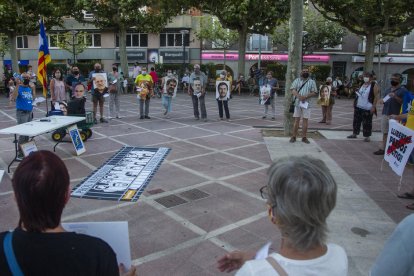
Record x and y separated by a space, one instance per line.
309 87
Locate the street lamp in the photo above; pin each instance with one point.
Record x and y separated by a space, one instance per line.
74 33
304 34
183 33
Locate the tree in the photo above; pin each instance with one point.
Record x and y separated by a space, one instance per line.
294 60
212 30
73 43
247 16
140 15
370 18
320 32
20 17
4 47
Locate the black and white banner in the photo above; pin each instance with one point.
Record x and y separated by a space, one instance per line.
124 176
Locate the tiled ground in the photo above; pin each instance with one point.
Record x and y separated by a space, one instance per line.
228 162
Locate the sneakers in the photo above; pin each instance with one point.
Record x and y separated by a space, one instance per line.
379 152
321 122
147 117
292 139
367 139
165 112
264 117
103 120
95 121
141 117
352 136
305 140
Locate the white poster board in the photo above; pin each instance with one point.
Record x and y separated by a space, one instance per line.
76 139
170 86
399 146
28 148
222 90
115 233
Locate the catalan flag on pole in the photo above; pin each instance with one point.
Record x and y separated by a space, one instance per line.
43 58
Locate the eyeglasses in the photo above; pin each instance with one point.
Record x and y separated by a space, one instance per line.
264 193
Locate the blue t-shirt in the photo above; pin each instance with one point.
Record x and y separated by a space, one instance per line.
392 106
24 99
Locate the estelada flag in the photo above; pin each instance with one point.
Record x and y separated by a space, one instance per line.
43 58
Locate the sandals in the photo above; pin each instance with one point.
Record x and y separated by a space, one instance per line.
410 206
406 196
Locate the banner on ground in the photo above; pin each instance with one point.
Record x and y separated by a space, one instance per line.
399 146
124 176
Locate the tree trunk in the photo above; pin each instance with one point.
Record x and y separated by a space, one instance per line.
369 52
294 61
11 37
122 49
242 50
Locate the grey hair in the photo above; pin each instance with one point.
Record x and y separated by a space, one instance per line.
303 193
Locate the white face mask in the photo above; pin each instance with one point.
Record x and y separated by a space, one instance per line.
169 74
366 79
222 76
144 72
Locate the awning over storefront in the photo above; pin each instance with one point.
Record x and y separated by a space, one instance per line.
269 57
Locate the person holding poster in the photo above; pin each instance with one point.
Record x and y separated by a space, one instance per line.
197 91
223 94
39 244
169 90
326 100
144 86
100 83
271 83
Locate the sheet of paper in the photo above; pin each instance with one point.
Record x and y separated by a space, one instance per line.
386 98
304 105
1 174
263 252
115 233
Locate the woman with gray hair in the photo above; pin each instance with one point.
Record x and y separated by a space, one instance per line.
300 194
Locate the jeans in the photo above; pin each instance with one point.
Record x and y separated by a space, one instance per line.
113 104
23 116
224 104
266 107
143 112
166 103
202 106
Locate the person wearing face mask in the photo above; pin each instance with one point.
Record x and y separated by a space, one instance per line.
23 95
198 96
272 82
115 82
57 88
303 89
73 79
146 78
365 108
391 99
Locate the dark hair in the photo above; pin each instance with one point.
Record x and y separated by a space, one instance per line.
40 184
221 84
152 69
398 75
61 73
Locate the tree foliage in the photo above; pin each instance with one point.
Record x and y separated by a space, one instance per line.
4 45
212 30
247 16
320 32
74 44
370 18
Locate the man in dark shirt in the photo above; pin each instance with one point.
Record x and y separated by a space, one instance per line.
74 79
392 100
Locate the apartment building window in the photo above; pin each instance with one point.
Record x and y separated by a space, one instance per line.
22 42
53 40
174 40
408 44
383 46
134 40
93 40
257 41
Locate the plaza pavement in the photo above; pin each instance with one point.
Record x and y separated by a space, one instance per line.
213 175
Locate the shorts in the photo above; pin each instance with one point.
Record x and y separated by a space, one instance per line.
301 112
385 123
98 98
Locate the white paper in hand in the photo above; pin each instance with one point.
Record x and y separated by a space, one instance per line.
263 252
386 98
304 105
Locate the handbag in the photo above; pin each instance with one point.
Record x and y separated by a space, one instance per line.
112 89
292 104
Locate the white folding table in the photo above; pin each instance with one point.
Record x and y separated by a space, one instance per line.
38 127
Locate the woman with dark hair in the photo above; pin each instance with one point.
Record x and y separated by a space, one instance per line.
300 194
40 245
57 88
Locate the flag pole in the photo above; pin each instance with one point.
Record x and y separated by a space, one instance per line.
43 59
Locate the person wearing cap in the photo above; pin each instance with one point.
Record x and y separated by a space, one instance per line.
144 79
197 91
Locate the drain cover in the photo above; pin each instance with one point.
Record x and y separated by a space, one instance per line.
194 194
170 201
155 191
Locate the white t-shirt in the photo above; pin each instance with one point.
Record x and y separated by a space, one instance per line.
363 94
333 263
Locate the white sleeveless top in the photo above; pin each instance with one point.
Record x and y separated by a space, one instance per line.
363 102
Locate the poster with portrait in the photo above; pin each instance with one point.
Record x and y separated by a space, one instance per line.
76 139
196 86
222 90
152 55
124 176
324 95
170 86
100 80
265 94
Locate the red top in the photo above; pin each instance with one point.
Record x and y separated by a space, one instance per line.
154 76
